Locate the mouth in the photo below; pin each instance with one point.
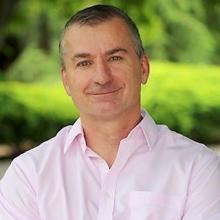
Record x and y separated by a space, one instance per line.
104 92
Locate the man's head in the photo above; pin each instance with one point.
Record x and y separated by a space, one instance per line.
101 13
103 63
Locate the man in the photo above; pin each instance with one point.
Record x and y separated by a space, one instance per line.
114 163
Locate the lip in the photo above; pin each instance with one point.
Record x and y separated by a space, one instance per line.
103 93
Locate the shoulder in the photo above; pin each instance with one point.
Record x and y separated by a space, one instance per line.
26 166
19 186
45 150
183 147
199 164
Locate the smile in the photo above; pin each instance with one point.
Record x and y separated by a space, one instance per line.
104 92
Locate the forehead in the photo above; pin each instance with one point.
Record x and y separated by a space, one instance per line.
107 34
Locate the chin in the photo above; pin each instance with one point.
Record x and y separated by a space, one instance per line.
105 112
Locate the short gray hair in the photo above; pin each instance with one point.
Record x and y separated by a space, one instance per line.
97 14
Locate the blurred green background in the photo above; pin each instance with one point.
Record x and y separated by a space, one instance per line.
182 39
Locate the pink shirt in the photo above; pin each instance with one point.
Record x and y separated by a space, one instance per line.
157 175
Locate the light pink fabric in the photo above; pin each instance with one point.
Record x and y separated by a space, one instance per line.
157 175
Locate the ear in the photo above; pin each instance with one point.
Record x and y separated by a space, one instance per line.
145 69
65 80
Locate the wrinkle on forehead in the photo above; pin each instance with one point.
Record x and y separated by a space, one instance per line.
88 31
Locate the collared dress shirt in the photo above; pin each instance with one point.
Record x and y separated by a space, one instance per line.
157 175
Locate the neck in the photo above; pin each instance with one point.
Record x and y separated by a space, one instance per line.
104 136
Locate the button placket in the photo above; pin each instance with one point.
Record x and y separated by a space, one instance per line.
103 170
107 198
106 205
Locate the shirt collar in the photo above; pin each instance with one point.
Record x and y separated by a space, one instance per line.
147 125
75 131
149 128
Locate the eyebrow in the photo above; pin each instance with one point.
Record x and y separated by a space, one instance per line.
109 52
81 55
116 50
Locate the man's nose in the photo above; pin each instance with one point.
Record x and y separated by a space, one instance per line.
102 74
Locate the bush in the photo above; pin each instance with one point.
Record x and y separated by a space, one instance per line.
34 65
190 41
186 36
31 112
184 97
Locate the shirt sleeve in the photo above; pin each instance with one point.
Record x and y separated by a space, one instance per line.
203 199
18 192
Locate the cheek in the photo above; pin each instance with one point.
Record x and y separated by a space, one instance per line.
78 84
133 77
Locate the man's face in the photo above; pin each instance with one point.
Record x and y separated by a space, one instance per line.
103 73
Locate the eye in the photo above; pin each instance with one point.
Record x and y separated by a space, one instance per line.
84 63
115 58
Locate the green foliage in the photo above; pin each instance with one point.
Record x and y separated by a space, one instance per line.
34 65
184 97
185 31
33 112
213 21
186 36
190 41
